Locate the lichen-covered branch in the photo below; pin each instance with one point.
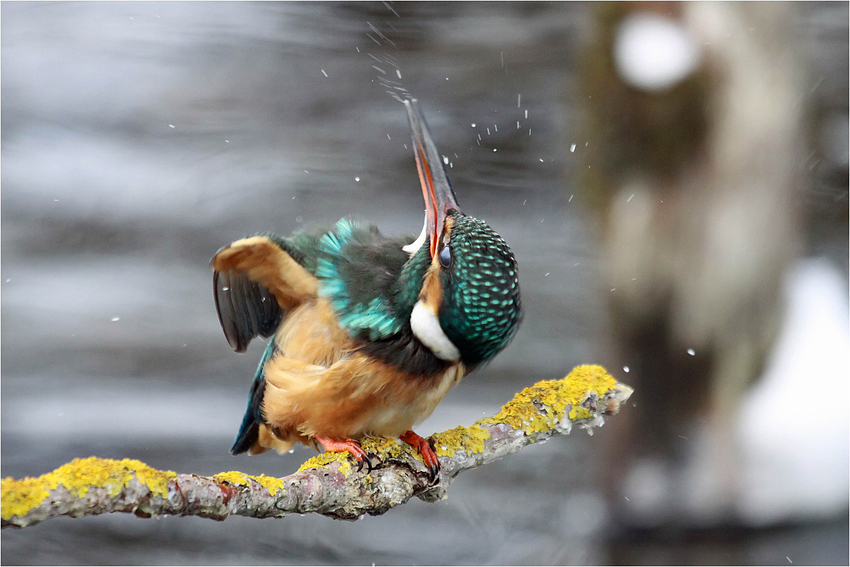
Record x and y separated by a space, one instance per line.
328 484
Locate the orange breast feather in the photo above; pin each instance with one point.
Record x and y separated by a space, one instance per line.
320 384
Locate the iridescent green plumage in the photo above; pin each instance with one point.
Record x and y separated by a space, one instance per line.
373 284
481 305
359 270
412 316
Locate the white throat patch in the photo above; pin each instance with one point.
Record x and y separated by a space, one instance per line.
426 327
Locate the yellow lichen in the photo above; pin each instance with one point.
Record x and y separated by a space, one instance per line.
78 476
322 460
557 398
389 448
270 483
156 480
233 477
470 439
384 447
17 497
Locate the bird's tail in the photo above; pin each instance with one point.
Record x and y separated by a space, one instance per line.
249 432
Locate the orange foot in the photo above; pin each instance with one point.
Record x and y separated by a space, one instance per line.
350 445
425 449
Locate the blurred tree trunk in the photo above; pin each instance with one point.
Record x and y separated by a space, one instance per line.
696 184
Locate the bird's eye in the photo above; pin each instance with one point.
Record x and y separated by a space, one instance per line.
446 257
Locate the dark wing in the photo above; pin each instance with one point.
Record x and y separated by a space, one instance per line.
256 282
246 309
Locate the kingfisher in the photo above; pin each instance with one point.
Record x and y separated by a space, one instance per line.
368 332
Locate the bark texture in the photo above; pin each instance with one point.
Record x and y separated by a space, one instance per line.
328 484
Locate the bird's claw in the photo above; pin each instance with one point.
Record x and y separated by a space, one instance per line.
368 460
351 446
426 449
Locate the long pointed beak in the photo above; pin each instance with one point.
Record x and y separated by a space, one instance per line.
439 197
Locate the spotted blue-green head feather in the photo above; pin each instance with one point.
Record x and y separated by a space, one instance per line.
481 308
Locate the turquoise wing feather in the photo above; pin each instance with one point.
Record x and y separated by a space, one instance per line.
359 269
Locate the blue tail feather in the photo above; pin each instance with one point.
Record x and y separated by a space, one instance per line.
250 428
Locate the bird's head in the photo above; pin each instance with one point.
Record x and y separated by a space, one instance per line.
468 307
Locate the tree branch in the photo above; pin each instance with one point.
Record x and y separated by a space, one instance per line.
328 484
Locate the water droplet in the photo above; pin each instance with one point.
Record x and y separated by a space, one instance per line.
691 352
116 319
357 179
572 148
625 369
323 73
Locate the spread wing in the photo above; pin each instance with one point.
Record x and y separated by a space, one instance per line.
256 281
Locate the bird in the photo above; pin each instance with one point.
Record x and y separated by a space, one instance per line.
368 332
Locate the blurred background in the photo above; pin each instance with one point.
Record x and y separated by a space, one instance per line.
672 178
